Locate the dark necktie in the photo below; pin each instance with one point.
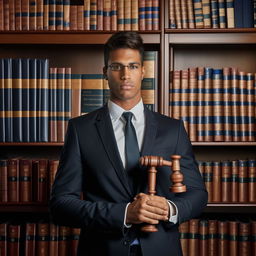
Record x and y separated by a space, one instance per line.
132 152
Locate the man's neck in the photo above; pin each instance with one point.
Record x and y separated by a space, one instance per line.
126 105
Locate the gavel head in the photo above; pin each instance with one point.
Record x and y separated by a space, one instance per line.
151 161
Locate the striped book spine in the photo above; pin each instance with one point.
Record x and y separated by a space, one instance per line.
216 182
243 181
52 14
222 14
128 14
206 13
46 15
148 14
40 15
113 15
226 181
76 86
172 22
235 103
32 14
8 100
101 4
200 103
106 15
6 16
234 181
12 14
86 15
2 15
215 13
93 15
175 95
18 26
80 17
67 97
25 14
25 100
155 14
73 17
2 103
184 98
251 106
135 15
198 12
59 15
53 104
142 15
191 20
252 180
66 14
208 179
92 92
230 13
184 14
177 8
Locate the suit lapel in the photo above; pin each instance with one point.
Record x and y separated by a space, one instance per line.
105 129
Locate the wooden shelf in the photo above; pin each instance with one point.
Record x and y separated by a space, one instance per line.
23 207
230 144
230 208
70 37
211 36
31 144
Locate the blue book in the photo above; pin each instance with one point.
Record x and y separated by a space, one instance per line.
248 18
238 12
2 97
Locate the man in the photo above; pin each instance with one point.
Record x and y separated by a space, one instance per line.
98 160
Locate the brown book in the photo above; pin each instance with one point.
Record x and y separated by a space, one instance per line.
73 17
177 6
1 15
142 23
30 239
53 167
40 180
184 98
66 16
213 238
53 239
80 17
135 14
172 22
191 21
64 241
6 15
244 239
251 107
184 237
25 14
175 111
253 237
235 107
25 180
40 15
32 15
234 181
12 14
252 181
225 181
198 12
155 14
233 238
13 244
200 109
223 238
227 104
203 237
86 14
76 85
128 14
208 179
3 238
59 18
114 15
193 247
13 180
106 14
3 181
75 233
42 243
216 182
100 14
184 14
243 181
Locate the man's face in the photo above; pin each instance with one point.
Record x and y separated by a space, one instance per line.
124 74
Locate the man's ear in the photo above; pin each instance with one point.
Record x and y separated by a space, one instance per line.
105 73
143 72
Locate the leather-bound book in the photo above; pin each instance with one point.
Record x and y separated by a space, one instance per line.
25 180
64 241
208 179
213 238
53 239
3 181
252 180
13 244
75 233
40 180
30 239
203 237
223 238
42 243
13 178
243 181
253 236
225 181
3 238
244 238
184 236
53 167
216 182
234 181
233 238
193 247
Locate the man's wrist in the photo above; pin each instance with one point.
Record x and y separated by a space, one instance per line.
125 217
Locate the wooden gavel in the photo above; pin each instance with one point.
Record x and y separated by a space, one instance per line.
176 178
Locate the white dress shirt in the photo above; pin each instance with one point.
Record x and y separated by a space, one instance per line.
138 121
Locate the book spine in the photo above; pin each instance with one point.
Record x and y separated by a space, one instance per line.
222 14
235 105
244 238
233 238
66 14
30 239
3 238
6 16
223 242
214 14
76 85
208 179
32 14
64 240
198 12
12 15
230 13
225 181
53 239
172 21
3 181
86 15
67 98
175 95
191 20
59 15
252 180
135 15
1 15
52 14
73 17
200 103
13 180
46 15
248 14
155 14
42 242
203 237
2 102
142 15
93 15
193 237
80 17
106 15
251 106
213 237
75 234
184 14
40 15
243 181
25 180
234 181
184 237
238 13
100 15
25 14
184 98
216 177
128 14
13 244
113 15
206 13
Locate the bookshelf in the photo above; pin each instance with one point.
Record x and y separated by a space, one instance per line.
177 48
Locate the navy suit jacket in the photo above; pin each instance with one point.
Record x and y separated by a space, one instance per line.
90 163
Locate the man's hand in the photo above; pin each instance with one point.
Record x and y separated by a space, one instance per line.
147 209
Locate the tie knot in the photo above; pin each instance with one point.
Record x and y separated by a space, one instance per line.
128 116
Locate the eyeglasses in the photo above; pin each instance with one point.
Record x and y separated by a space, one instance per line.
119 67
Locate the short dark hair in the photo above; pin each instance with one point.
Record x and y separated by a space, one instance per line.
123 39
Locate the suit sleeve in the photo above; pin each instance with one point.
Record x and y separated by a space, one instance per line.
190 203
66 207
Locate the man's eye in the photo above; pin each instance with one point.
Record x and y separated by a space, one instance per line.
133 66
116 67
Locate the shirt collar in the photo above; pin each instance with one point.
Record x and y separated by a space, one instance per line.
116 111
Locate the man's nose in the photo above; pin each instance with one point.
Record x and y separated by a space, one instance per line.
125 73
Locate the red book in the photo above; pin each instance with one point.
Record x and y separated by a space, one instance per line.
3 238
193 234
75 233
42 243
213 238
3 181
233 238
203 239
184 237
53 240
225 181
13 244
244 239
223 238
13 178
64 241
216 181
30 239
243 181
25 180
234 181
